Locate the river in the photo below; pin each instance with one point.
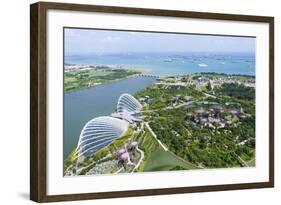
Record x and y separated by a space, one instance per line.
83 105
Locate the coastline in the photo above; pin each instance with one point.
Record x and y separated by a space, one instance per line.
147 71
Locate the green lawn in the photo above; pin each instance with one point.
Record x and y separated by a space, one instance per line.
161 160
157 159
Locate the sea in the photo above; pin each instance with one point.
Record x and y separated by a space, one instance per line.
173 63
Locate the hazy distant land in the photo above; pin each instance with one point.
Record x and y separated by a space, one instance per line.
85 76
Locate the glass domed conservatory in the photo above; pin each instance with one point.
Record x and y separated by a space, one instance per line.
128 103
102 131
98 133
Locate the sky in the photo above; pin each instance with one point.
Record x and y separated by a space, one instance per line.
85 41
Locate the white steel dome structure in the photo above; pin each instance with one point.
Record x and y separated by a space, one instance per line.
98 133
127 103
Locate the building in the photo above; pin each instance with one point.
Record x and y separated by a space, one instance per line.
128 108
127 103
102 131
98 133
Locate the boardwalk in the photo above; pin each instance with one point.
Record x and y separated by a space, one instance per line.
154 135
141 158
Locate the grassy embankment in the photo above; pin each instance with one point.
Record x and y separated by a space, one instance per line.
156 158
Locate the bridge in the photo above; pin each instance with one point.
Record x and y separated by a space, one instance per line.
147 75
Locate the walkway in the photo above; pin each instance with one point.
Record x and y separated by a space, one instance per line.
241 160
141 158
154 135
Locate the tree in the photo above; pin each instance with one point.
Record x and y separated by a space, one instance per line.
209 86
